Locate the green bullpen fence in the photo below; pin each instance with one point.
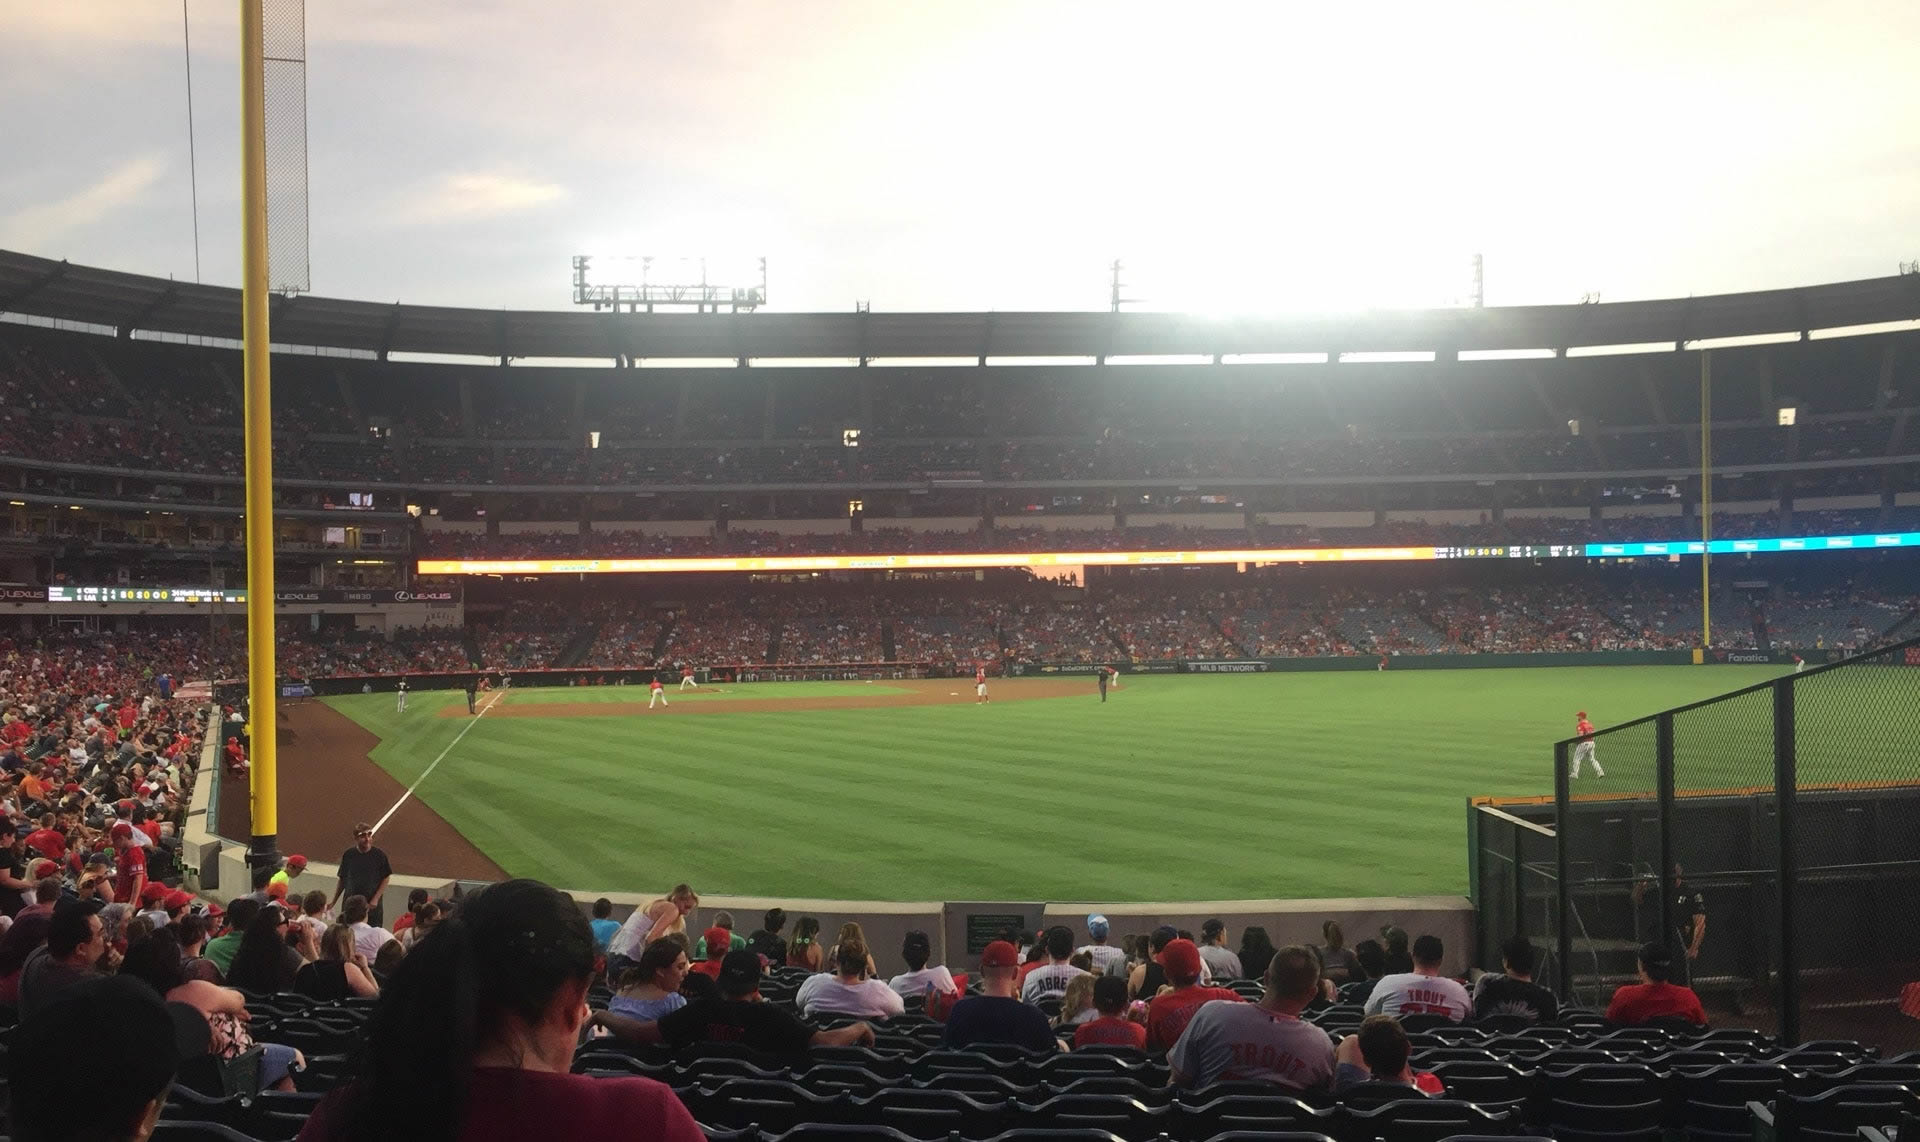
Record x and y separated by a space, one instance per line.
1780 823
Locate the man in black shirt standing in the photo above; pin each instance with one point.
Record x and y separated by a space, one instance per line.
1515 993
364 871
1690 927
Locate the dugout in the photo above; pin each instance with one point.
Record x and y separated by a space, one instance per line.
1788 811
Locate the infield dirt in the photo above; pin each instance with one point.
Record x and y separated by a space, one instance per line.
328 781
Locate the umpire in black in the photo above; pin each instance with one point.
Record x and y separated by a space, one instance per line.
473 692
1104 673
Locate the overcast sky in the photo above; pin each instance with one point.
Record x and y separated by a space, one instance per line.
927 155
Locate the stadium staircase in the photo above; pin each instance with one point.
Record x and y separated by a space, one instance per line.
125 395
774 631
575 652
886 641
666 636
472 646
1238 647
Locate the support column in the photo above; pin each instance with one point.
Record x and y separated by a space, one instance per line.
262 722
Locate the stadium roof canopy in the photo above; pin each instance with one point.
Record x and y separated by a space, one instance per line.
132 302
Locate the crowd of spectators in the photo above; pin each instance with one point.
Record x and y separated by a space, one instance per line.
720 632
530 634
947 629
121 404
832 627
334 652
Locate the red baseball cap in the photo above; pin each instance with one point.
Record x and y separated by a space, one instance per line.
296 862
121 831
153 892
176 900
1182 961
718 941
1000 954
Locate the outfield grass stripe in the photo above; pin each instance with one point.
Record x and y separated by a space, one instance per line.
1181 787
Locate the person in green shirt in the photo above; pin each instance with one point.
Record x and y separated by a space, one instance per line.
221 949
735 940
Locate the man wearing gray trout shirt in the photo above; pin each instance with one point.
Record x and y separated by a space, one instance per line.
1260 1042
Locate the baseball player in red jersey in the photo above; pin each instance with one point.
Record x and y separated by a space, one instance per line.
686 678
980 685
1583 749
658 693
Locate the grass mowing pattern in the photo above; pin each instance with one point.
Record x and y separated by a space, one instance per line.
1179 788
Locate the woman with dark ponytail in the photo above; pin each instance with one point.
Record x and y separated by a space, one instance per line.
475 1033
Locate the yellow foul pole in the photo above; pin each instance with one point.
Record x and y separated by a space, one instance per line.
1706 495
259 436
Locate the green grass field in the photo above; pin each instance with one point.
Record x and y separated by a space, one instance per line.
1181 787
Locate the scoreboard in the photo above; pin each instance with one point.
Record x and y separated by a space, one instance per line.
145 595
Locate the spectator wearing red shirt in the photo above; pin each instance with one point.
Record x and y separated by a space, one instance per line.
1112 1028
16 731
717 940
1653 997
1169 1013
46 840
129 863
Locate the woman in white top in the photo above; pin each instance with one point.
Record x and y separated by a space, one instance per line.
847 991
916 950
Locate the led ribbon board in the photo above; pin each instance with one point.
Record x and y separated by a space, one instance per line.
960 561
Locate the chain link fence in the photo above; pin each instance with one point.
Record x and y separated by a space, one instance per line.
1770 838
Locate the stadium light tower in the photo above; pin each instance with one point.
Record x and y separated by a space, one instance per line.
671 282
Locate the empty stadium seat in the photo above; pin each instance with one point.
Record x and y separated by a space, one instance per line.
1834 1115
1421 1120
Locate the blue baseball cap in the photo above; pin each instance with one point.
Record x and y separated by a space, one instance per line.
1097 926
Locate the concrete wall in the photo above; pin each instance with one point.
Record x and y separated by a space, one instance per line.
837 526
657 527
1868 502
1440 515
1225 521
1318 519
1625 511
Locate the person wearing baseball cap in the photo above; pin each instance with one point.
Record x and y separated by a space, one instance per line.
1266 1041
715 938
283 876
152 904
997 1015
1145 980
1104 954
1169 1012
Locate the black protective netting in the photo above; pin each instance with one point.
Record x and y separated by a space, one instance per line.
1816 937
